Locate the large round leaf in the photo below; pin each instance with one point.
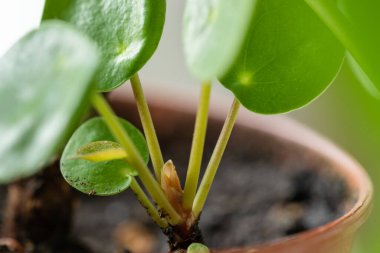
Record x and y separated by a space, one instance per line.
44 87
288 59
127 31
214 31
99 178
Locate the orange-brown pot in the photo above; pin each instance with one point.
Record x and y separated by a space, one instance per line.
337 236
334 237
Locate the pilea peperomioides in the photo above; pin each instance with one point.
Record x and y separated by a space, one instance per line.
273 55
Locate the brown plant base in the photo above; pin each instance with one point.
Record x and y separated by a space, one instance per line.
180 238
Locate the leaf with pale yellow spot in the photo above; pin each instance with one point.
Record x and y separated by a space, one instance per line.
103 167
101 151
289 58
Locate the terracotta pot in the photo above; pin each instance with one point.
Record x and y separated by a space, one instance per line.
170 108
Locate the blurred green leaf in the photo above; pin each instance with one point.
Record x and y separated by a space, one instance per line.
356 25
127 31
289 58
99 178
214 31
44 86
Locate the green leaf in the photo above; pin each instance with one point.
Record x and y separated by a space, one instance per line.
356 25
198 248
101 178
44 88
127 31
101 151
214 31
289 58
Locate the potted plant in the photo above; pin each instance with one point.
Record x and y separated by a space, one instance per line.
275 56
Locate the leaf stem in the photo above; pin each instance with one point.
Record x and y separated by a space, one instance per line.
147 123
197 147
145 202
135 158
215 159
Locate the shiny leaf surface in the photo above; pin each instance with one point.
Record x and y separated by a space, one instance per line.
127 31
289 58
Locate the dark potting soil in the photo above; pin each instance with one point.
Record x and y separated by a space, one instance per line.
276 204
265 189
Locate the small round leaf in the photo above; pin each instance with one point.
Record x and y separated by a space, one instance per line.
214 31
99 178
198 248
289 58
44 88
127 31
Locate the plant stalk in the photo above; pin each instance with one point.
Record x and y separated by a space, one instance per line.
208 178
135 158
147 123
197 147
144 200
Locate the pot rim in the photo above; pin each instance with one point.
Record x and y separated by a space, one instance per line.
291 131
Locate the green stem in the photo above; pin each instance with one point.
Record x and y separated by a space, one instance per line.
147 123
197 147
145 202
135 158
208 178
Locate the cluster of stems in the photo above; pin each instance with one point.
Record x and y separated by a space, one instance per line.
193 197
